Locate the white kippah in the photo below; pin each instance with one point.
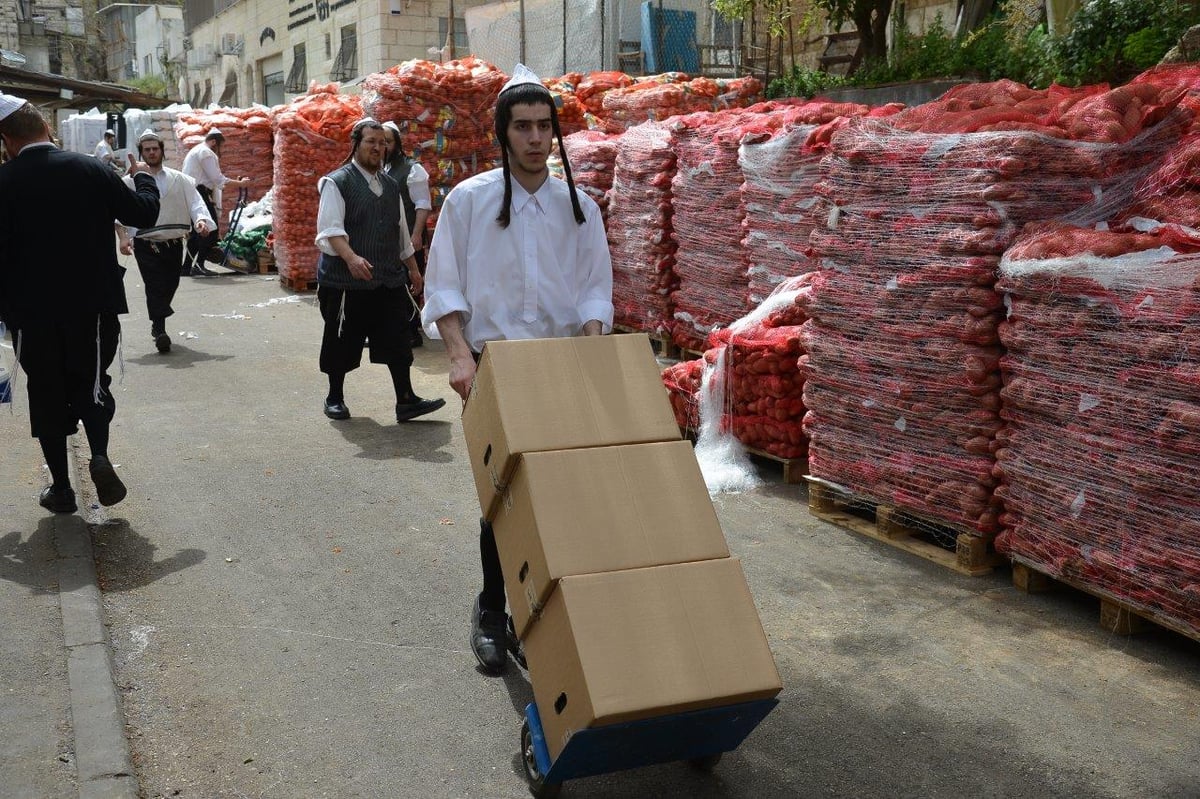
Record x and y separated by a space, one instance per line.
110 132
8 104
390 125
522 75
149 134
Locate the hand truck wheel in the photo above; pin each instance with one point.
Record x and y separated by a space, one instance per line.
537 782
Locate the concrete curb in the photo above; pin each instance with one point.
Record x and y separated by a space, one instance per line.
102 759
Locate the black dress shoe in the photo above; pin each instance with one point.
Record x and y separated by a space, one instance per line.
337 410
109 488
58 500
162 342
201 271
418 407
489 638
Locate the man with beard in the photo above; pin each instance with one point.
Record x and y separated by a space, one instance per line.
159 249
362 287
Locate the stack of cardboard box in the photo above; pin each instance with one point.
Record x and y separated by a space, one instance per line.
619 580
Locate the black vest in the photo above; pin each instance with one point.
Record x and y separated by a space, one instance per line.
399 168
373 226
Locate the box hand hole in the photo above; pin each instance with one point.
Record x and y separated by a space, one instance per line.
560 703
521 575
487 455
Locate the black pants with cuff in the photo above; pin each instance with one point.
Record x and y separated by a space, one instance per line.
159 262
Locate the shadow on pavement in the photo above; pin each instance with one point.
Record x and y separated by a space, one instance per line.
423 441
125 559
180 357
25 562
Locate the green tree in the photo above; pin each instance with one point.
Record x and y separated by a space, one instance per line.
870 18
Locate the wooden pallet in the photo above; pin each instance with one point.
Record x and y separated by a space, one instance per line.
972 555
1117 616
661 342
297 284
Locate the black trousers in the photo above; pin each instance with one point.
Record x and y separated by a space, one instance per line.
66 363
199 245
159 262
354 317
492 597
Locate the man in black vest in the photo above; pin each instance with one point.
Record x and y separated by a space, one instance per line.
362 288
62 289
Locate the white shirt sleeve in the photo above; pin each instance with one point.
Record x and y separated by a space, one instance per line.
331 215
446 270
418 188
595 301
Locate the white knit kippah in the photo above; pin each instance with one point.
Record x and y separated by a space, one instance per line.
521 76
8 104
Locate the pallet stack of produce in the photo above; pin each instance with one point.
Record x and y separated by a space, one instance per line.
658 97
1100 455
312 138
639 229
902 364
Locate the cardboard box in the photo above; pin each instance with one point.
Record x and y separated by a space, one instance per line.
601 509
565 393
627 645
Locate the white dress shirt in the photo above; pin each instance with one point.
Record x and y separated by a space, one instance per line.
103 151
418 187
331 213
544 276
201 165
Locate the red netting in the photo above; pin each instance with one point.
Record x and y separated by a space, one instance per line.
312 138
445 113
902 351
1099 461
673 93
593 157
639 229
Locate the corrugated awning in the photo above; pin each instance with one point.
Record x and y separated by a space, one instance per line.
52 92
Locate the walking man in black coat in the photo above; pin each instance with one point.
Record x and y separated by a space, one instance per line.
61 289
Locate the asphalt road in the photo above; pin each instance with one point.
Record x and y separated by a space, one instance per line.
288 598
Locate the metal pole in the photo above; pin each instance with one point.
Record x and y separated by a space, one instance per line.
522 31
453 33
603 43
564 39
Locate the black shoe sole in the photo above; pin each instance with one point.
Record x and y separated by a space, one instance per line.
109 488
162 342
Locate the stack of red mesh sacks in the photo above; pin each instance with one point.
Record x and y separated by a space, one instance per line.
245 153
1100 459
312 138
707 222
572 115
591 90
673 93
759 381
902 380
446 113
779 170
639 229
593 158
